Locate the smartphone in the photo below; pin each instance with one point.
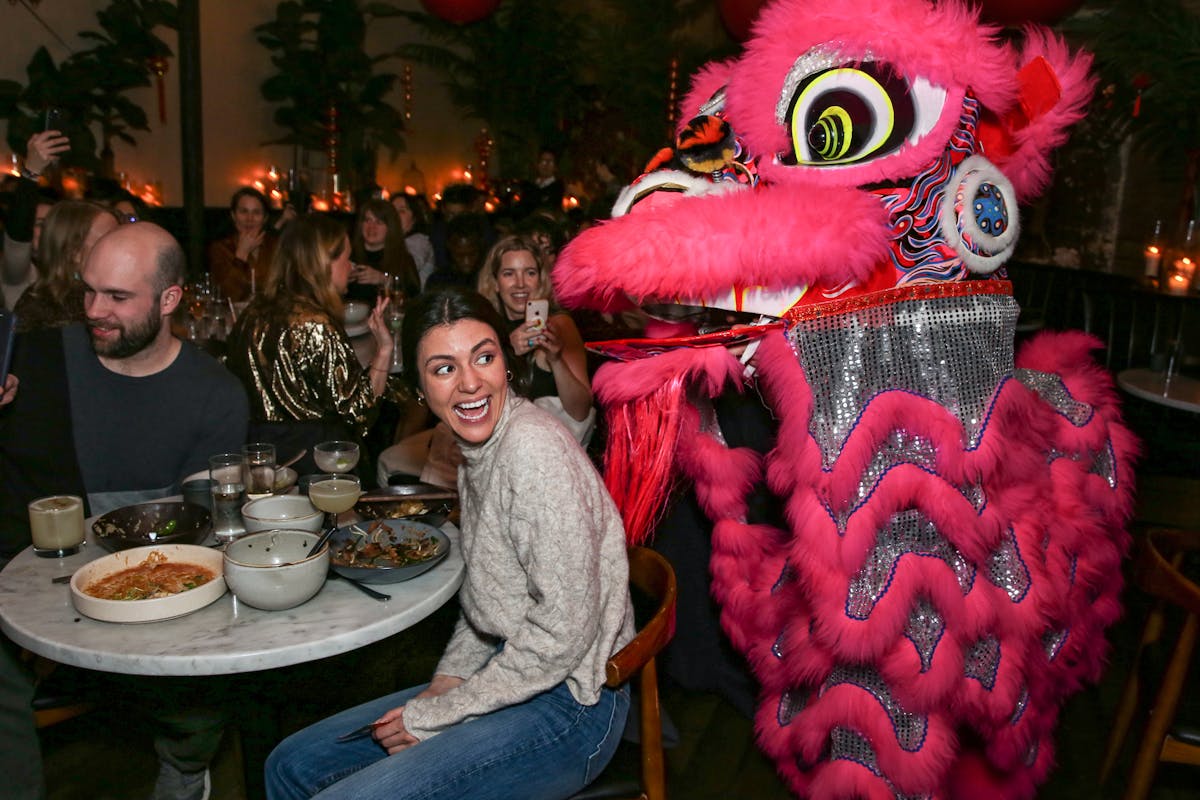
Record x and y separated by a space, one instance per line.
536 312
8 335
56 119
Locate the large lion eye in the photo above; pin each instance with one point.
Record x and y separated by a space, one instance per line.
844 115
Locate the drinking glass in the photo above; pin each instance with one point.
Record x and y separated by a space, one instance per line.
56 525
336 456
258 474
225 469
395 320
334 494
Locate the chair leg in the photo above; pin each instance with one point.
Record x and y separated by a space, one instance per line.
654 779
1127 706
1145 765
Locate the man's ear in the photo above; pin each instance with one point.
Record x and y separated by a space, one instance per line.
170 298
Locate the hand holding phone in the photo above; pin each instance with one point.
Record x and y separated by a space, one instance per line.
536 313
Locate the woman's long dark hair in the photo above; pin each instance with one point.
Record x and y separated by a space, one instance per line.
445 306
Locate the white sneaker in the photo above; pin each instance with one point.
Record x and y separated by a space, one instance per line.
175 785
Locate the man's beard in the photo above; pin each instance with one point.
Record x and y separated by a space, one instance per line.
130 341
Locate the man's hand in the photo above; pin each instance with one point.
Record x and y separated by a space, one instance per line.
9 392
43 149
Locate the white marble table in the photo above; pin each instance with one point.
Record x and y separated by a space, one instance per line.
223 638
1151 385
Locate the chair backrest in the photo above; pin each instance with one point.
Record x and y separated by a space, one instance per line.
652 575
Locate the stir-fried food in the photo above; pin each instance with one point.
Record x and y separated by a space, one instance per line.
380 546
153 578
393 509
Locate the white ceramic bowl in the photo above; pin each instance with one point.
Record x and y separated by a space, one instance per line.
293 511
356 313
175 605
274 570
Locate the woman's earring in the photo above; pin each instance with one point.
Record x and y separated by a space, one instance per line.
420 399
508 375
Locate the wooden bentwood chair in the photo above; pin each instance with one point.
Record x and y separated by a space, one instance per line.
1156 571
652 576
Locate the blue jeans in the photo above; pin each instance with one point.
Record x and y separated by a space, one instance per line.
548 747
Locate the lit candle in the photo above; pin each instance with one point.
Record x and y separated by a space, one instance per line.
1179 279
1153 260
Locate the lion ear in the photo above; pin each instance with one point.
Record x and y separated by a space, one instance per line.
1054 87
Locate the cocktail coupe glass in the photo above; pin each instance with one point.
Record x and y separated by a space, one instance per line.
334 494
336 456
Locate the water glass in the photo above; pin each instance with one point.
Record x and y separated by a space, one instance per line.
258 474
56 525
225 469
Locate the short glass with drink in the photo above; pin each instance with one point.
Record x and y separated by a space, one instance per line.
56 525
258 474
225 469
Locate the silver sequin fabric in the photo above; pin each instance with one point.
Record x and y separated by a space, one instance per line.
952 350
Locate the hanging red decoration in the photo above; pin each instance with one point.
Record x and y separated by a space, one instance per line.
672 99
738 15
158 65
1018 12
460 12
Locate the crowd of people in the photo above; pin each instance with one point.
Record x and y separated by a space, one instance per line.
108 399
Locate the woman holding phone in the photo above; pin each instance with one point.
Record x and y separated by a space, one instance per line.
517 707
514 273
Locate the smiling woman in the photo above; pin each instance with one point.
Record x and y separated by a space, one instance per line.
541 611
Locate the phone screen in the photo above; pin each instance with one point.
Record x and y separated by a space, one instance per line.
8 335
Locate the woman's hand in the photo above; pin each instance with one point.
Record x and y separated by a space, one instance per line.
549 342
43 149
391 733
248 243
526 338
288 214
379 329
367 275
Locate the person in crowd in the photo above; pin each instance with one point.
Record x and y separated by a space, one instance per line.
8 391
29 208
517 707
457 200
69 232
288 348
514 273
548 230
379 253
466 245
546 189
414 222
240 261
127 206
117 410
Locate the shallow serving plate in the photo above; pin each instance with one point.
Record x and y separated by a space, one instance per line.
160 608
132 526
406 500
400 530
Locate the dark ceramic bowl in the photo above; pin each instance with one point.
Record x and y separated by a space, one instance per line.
132 526
382 570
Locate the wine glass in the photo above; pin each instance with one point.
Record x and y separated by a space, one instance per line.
336 456
334 494
394 317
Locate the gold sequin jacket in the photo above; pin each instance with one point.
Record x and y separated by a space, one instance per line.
300 366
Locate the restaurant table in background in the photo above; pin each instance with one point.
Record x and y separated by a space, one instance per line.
223 638
1179 392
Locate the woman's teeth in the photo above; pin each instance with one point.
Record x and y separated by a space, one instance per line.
472 412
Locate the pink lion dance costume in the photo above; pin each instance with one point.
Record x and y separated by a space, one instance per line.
953 517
